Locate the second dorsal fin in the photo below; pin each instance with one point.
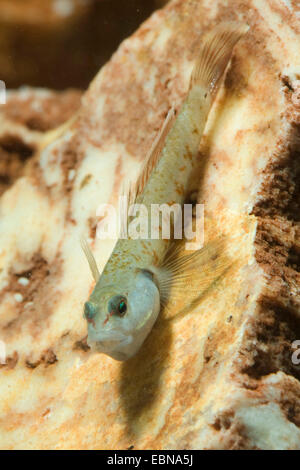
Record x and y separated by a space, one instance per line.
151 160
214 54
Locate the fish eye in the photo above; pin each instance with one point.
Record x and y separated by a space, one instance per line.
122 307
117 305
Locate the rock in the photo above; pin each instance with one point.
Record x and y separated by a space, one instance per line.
28 113
219 375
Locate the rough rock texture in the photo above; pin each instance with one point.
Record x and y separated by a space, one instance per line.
218 375
28 113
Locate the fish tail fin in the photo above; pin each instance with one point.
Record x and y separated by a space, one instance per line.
214 55
194 272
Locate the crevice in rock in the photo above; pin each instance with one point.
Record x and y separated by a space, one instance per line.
281 197
47 358
14 153
269 337
269 342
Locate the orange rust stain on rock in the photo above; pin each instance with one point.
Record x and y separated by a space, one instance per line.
286 15
11 361
118 180
46 412
221 158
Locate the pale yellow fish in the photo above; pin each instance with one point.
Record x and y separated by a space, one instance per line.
139 274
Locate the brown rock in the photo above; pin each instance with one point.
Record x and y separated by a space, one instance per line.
27 114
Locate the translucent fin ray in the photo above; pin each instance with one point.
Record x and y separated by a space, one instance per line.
90 258
151 160
214 55
194 272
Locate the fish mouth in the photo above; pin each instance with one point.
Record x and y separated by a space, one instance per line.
105 334
108 342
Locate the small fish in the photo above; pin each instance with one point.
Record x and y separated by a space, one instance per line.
140 274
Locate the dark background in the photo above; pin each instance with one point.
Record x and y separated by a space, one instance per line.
41 48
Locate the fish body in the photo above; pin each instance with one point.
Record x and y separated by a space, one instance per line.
137 278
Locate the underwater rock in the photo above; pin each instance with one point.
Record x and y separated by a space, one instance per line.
27 114
219 374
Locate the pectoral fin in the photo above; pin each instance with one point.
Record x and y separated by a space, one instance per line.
183 275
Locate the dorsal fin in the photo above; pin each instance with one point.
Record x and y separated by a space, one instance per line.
214 54
151 160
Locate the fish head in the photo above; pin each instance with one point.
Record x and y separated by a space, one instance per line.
120 314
